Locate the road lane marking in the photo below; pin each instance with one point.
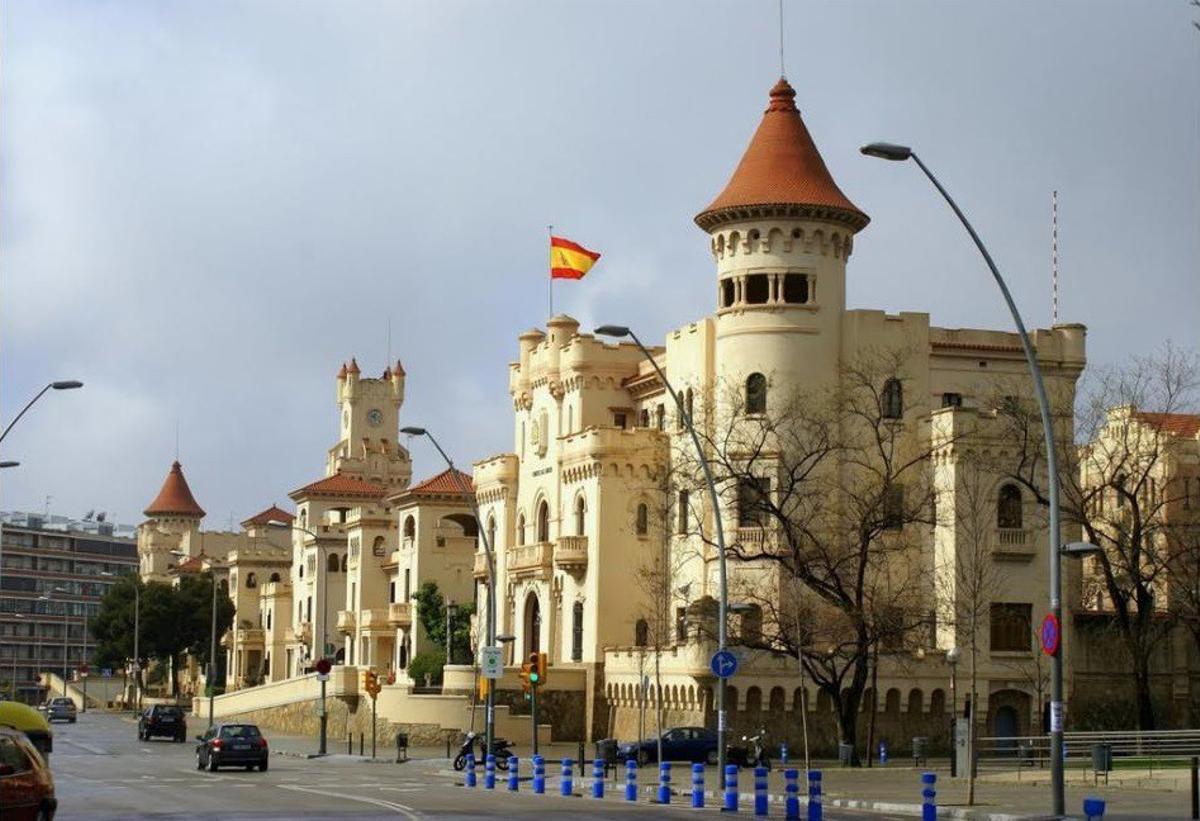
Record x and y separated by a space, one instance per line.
400 809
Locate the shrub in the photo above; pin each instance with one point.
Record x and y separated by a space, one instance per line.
430 662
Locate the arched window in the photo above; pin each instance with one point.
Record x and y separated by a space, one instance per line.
251 581
274 577
644 418
543 521
378 547
301 571
580 510
491 532
410 527
756 393
641 633
520 529
1008 509
332 563
643 519
577 632
345 557
682 513
892 400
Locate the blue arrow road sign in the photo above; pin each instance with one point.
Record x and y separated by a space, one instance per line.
724 664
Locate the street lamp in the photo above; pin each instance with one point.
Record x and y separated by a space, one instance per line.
137 661
619 332
211 678
489 552
888 151
952 657
322 573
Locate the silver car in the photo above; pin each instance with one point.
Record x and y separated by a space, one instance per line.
59 709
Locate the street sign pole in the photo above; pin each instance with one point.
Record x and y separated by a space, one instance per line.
323 668
533 699
373 703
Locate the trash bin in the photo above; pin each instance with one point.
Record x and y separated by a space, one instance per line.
401 747
1102 757
920 745
606 752
845 754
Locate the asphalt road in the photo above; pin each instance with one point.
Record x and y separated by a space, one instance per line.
102 771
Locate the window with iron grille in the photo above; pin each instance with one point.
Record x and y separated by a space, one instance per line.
1011 627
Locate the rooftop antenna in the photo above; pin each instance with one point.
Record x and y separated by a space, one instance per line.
1054 258
782 73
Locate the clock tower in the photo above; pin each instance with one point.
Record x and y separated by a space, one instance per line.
368 446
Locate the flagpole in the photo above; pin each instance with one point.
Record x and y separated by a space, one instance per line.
550 238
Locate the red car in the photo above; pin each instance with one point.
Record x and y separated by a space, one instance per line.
26 785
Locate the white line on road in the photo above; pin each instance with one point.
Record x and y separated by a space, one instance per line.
379 802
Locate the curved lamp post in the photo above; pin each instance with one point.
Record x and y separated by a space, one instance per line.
888 151
619 332
490 722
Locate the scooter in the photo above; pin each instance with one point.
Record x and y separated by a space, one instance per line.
501 748
756 752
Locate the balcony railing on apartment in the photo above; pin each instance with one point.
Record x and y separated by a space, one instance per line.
571 553
1013 543
400 614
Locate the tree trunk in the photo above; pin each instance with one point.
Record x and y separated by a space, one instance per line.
971 719
1141 685
874 705
658 707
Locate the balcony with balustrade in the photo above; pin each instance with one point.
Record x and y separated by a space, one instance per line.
400 614
346 621
302 631
531 561
1013 544
481 565
571 553
376 620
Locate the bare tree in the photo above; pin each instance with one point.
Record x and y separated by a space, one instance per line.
832 491
1114 490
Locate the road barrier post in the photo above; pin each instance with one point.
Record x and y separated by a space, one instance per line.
631 779
731 788
568 782
597 778
489 772
664 782
698 786
470 769
760 792
814 795
792 801
1195 787
539 775
514 773
928 797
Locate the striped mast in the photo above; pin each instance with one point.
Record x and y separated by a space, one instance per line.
1054 258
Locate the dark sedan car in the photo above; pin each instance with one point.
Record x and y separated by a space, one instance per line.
695 744
231 745
162 720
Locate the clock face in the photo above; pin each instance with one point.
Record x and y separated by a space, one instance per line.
375 417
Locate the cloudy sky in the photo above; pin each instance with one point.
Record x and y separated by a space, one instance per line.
205 207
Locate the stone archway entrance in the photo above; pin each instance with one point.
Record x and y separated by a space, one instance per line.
1008 718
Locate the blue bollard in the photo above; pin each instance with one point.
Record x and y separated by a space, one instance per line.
539 775
470 769
814 795
568 783
783 754
489 772
597 778
514 773
883 753
1093 808
631 779
664 782
698 785
760 792
731 788
928 797
792 788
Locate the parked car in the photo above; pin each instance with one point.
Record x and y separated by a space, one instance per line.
29 721
26 785
162 720
695 744
60 709
232 745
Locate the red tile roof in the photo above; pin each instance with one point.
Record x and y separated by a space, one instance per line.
1180 424
354 369
340 485
193 564
272 514
342 372
175 497
445 483
782 170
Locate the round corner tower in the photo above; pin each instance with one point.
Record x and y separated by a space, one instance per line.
781 232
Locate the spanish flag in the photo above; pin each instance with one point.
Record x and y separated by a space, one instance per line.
569 260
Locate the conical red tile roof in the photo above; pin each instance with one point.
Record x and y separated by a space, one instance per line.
781 173
175 498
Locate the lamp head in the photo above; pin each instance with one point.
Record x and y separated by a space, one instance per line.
66 385
953 655
1078 550
413 431
887 151
9 464
615 331
506 638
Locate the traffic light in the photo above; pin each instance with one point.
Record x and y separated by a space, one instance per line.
541 668
371 683
537 669
526 676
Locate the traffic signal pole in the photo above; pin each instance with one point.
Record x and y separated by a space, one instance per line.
533 712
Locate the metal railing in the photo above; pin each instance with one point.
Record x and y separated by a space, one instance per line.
1131 749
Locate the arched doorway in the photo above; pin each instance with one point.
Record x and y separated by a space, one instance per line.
1009 718
533 625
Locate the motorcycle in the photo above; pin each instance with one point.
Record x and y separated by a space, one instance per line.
501 748
756 751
